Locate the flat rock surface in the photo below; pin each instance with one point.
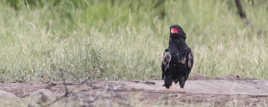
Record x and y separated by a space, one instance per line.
151 92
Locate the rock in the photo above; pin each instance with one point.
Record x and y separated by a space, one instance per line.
4 94
41 97
228 77
198 77
8 99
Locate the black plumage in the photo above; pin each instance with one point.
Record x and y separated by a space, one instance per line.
177 59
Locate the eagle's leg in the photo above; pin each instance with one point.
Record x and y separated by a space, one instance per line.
168 83
182 82
181 90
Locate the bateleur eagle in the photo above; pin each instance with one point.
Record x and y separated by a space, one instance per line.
177 59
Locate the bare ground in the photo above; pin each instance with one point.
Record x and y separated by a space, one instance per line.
206 92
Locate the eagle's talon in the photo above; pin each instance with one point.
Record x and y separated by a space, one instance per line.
170 89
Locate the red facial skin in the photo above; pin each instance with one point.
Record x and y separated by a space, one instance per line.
174 31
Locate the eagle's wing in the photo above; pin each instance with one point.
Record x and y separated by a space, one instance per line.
190 60
165 62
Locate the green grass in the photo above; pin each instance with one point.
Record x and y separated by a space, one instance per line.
124 39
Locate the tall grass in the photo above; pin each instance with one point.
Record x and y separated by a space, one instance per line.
124 39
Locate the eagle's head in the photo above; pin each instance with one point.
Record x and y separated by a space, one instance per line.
177 32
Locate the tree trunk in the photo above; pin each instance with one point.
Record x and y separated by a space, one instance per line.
241 12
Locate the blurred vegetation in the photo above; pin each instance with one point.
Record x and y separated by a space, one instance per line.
124 39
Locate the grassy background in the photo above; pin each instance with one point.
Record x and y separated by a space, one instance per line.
124 39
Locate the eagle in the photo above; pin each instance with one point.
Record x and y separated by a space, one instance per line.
177 59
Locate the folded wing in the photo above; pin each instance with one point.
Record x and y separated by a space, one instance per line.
165 62
190 60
